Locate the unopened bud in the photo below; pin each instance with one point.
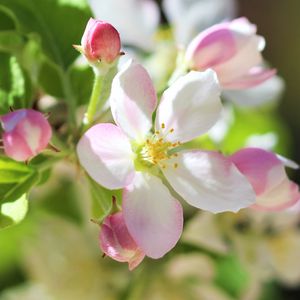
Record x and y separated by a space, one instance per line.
26 133
117 243
100 42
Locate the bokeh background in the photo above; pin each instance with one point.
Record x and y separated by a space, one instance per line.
54 253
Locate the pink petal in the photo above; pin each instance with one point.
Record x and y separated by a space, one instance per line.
105 153
153 217
255 76
117 243
133 100
211 47
190 106
209 181
221 43
266 173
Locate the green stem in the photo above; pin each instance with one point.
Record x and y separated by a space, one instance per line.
95 101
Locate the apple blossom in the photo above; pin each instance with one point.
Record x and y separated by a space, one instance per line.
131 156
233 51
26 133
188 17
116 242
265 171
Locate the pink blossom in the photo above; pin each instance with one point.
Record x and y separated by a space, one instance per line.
100 42
265 171
233 51
133 156
117 243
26 133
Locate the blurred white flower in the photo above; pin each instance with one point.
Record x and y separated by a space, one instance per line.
189 17
136 20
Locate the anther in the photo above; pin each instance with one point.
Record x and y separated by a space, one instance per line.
163 125
175 165
171 130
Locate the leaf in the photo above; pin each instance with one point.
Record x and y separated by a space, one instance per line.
12 171
82 78
59 23
231 275
15 85
11 41
12 213
102 199
16 179
8 20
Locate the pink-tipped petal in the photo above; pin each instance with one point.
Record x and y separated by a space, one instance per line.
211 47
246 58
26 133
153 217
281 197
254 77
133 100
117 243
190 107
266 173
105 153
209 181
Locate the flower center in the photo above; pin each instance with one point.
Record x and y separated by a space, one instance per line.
156 150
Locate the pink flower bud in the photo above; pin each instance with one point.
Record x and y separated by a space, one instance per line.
100 42
26 133
265 171
233 51
117 243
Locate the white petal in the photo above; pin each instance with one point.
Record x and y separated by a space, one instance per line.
105 153
133 100
267 92
153 217
191 106
209 181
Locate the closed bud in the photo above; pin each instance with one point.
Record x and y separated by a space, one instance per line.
26 133
117 243
100 43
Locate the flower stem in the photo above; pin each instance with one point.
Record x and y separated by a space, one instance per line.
94 101
100 93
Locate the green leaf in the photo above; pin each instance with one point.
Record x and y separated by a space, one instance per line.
59 23
15 85
13 192
12 213
231 275
11 41
49 78
82 78
8 20
16 179
12 171
102 199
